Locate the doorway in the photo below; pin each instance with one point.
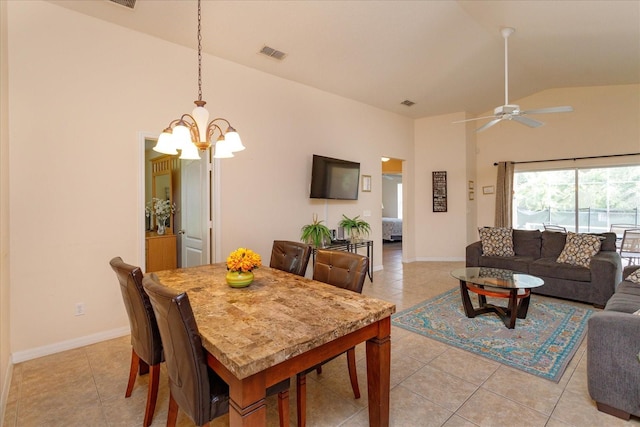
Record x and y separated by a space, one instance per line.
392 204
188 242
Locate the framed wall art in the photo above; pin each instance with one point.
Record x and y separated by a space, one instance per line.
439 182
366 183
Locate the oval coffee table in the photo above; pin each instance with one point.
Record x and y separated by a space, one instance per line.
497 283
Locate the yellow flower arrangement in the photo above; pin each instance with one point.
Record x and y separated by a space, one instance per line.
243 260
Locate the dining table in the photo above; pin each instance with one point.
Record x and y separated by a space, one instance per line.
279 326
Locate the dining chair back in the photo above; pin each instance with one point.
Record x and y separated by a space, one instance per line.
630 247
193 386
557 228
146 352
344 270
292 257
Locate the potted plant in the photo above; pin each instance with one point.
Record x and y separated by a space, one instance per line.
357 227
315 233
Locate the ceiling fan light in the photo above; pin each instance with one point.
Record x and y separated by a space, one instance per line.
165 144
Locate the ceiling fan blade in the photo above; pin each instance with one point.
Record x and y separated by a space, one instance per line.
527 121
564 109
477 118
488 125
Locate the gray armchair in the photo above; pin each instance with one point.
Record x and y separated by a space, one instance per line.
613 347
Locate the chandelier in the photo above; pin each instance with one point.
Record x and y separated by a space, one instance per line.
191 132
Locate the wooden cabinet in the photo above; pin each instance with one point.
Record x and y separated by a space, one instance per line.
160 252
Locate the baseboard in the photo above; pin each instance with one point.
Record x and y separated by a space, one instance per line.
441 259
5 390
23 356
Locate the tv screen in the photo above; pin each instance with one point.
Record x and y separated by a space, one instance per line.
334 178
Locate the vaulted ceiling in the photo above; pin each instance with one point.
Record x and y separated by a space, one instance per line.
446 56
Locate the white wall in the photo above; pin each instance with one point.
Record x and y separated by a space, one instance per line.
390 195
441 146
5 349
606 121
77 106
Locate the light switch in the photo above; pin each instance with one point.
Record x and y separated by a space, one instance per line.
366 213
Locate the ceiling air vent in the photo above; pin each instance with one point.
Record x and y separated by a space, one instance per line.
127 3
407 103
273 53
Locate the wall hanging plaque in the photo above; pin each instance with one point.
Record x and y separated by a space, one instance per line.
439 191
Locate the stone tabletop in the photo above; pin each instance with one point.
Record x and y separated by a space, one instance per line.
278 316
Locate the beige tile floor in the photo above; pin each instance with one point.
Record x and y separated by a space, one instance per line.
432 384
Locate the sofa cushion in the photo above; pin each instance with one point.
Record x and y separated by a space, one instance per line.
628 288
623 303
548 267
517 263
496 241
608 241
579 248
634 277
527 243
552 244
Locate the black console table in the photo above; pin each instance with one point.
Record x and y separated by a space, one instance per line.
349 246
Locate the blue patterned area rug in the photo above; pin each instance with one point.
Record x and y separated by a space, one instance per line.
542 344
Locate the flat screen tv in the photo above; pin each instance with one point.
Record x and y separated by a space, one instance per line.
334 178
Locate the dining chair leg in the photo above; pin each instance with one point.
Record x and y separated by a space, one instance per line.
133 371
152 394
143 367
301 399
353 374
172 416
283 408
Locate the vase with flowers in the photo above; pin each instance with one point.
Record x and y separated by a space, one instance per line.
162 210
240 266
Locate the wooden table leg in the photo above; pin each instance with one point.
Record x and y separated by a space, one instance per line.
378 374
523 308
466 301
513 308
247 402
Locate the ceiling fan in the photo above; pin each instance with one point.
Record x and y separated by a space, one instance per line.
512 111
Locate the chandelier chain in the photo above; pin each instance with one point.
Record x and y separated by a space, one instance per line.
199 54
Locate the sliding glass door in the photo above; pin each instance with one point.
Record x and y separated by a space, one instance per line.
603 196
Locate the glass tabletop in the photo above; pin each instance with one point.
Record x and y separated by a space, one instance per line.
497 278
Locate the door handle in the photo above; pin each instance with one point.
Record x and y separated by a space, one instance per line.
181 231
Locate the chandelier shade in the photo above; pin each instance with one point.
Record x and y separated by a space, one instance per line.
194 132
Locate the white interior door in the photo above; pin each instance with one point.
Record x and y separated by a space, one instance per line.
195 228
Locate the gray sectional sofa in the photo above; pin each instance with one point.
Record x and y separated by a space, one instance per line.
613 344
536 253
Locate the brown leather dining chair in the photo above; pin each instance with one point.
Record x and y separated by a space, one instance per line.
193 386
344 270
146 351
292 257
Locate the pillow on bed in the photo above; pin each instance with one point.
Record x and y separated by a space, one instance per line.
496 241
579 249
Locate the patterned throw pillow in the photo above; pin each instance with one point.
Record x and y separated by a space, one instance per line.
496 241
634 277
579 249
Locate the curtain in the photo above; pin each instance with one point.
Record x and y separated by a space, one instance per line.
504 195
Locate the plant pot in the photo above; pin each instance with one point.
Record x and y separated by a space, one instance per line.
239 279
